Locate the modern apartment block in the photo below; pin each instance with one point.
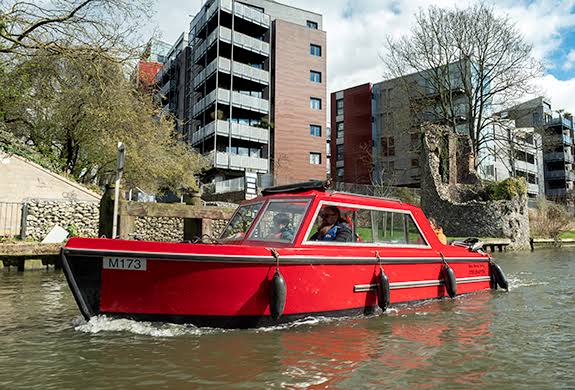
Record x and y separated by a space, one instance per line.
150 63
172 83
351 136
556 129
513 152
389 114
250 91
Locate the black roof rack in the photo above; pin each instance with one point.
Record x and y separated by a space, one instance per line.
318 185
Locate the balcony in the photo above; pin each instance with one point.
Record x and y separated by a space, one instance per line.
532 188
240 40
560 174
556 192
559 156
224 65
246 13
566 122
205 14
525 166
567 140
237 162
248 133
238 100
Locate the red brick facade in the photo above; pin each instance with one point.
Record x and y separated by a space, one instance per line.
292 114
357 135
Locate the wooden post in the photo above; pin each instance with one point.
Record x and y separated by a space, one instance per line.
127 223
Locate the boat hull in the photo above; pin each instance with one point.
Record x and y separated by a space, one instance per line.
234 292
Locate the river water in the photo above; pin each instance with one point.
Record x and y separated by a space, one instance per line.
519 339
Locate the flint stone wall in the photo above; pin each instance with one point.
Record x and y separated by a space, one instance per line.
461 217
44 215
84 215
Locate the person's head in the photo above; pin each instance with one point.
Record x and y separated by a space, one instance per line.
330 215
433 222
281 219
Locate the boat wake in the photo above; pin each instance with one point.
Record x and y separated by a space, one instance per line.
99 324
102 324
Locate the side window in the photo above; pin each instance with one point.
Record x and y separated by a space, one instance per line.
363 228
389 227
414 236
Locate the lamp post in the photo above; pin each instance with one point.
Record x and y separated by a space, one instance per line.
120 160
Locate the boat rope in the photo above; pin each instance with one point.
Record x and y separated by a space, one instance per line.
442 258
378 259
276 255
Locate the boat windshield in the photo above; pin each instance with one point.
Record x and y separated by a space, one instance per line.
280 221
241 222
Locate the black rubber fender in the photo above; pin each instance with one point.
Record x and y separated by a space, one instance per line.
499 276
382 290
278 294
449 280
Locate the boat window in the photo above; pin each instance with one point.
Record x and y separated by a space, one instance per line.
241 222
367 225
280 221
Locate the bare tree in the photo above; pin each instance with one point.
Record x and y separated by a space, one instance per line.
60 26
460 65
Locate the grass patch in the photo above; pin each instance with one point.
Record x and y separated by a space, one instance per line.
570 234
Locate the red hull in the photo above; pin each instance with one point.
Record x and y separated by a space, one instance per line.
187 285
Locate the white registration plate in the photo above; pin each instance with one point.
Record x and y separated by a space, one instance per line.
125 263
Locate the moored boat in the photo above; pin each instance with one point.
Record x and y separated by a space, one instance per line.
296 251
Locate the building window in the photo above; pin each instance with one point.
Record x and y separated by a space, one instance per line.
315 103
388 146
311 24
339 107
315 50
315 76
339 173
414 163
339 130
315 158
315 130
339 152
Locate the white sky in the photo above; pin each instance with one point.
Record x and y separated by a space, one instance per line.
357 29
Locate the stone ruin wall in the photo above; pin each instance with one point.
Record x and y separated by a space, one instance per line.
461 217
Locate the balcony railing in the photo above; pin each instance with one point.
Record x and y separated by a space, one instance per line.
566 122
237 162
239 131
556 192
532 188
559 156
238 100
246 13
559 174
240 40
240 70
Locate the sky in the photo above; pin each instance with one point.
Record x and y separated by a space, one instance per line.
357 29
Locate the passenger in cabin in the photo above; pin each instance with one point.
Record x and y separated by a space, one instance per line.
333 227
282 228
438 231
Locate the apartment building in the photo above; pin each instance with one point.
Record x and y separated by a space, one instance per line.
172 84
389 114
556 129
251 91
351 142
151 61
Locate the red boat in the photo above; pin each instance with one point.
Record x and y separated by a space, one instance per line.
296 251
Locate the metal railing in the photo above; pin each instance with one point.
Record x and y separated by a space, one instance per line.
11 217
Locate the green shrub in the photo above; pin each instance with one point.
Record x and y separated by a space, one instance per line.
506 189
